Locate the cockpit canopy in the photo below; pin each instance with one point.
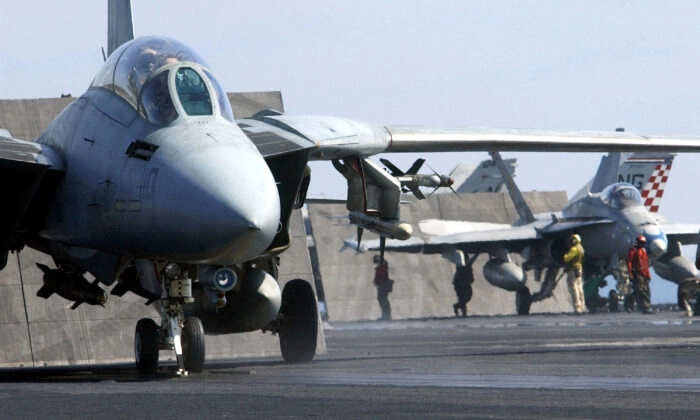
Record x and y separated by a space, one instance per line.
621 195
163 79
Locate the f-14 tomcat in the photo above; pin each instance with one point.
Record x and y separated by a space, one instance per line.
148 180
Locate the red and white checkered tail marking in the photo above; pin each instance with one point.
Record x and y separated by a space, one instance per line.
654 188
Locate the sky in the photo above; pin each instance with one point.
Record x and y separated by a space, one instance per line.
540 64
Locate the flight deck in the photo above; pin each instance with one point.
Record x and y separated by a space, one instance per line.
557 365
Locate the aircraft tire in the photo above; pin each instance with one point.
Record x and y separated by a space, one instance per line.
523 301
612 301
193 349
146 346
299 322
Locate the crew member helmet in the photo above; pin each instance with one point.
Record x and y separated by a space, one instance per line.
575 239
641 240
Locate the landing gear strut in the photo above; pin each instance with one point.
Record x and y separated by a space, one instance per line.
183 335
613 301
523 301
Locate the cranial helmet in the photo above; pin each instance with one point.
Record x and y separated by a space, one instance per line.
641 240
575 239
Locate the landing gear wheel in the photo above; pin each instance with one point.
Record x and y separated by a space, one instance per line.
146 346
523 301
612 301
193 344
298 322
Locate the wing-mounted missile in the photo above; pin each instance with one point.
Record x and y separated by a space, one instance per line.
411 180
373 199
70 286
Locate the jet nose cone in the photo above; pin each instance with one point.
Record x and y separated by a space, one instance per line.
657 248
219 206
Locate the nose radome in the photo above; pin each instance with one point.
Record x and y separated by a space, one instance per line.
657 247
225 203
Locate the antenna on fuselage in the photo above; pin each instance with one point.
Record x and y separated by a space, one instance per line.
120 28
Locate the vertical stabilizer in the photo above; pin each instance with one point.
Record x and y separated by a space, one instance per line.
483 178
607 172
647 171
655 185
521 206
120 28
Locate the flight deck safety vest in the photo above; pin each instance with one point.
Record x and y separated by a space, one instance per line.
574 258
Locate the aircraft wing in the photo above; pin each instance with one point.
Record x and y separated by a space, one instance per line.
338 137
270 139
686 234
442 235
412 244
412 139
23 167
22 152
514 238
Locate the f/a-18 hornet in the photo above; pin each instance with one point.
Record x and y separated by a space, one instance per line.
608 218
148 181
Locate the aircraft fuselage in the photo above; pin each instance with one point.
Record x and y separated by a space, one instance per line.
621 205
192 190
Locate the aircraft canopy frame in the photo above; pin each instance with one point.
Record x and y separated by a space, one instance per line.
138 71
621 195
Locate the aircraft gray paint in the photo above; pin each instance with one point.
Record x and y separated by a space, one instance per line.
608 221
147 180
484 178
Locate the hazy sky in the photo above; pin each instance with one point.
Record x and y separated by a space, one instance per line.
568 65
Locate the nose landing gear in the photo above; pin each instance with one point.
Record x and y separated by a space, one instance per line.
183 335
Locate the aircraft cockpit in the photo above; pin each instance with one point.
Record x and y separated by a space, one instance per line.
619 196
164 80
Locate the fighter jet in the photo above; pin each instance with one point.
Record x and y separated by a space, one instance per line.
607 220
148 174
